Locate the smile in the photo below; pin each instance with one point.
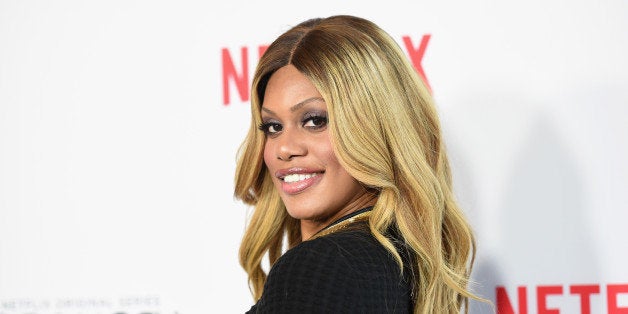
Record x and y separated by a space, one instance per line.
298 177
297 180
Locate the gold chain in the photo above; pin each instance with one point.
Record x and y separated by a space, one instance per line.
341 225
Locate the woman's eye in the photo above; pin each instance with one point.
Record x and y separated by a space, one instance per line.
270 128
315 122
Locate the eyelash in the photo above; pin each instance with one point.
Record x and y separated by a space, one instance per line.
320 121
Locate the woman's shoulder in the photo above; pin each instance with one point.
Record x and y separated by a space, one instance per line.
354 246
346 271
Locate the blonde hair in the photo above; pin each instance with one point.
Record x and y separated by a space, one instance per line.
385 132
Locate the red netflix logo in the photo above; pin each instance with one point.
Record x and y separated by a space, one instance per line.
238 76
583 292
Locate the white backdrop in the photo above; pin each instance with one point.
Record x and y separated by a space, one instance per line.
117 150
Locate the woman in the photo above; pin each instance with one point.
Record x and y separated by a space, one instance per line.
345 159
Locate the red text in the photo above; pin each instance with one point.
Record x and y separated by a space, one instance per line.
583 292
235 67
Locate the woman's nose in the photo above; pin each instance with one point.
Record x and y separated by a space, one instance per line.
290 145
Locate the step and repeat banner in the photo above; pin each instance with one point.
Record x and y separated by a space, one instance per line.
120 122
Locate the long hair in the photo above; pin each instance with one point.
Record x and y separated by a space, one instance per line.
385 132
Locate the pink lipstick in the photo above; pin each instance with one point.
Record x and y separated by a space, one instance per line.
296 180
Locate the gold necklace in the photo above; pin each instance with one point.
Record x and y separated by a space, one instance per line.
341 225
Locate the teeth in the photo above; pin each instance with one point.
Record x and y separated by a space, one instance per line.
298 177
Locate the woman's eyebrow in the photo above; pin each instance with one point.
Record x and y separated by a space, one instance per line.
303 103
298 105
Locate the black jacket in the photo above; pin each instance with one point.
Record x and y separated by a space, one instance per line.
348 271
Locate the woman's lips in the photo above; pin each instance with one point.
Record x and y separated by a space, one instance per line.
299 186
296 180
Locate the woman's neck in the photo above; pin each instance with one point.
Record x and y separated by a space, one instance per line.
311 227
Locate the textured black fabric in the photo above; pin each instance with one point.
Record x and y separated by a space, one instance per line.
343 272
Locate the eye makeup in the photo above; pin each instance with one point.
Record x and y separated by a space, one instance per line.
311 120
270 127
314 120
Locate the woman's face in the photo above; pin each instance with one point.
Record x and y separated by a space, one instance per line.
313 185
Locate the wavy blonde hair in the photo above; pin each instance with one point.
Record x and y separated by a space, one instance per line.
385 132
